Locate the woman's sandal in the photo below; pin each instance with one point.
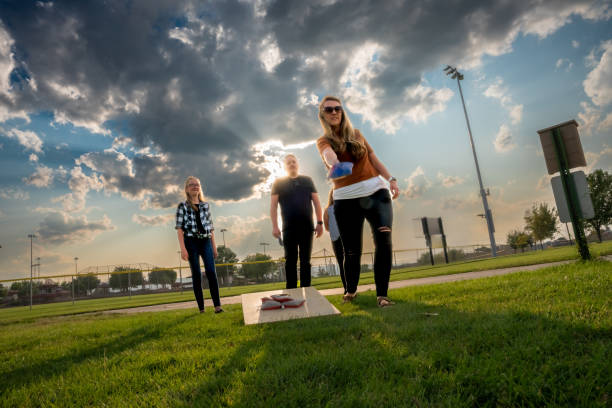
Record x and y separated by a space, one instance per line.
384 301
349 297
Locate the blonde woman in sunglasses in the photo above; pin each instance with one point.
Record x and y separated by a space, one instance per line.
362 190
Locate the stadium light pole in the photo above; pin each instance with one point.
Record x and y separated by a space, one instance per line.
31 236
264 244
223 230
38 266
454 74
76 259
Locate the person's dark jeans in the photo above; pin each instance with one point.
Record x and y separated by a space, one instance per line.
295 239
339 252
350 214
197 248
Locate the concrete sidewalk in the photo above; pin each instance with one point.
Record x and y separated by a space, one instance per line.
338 291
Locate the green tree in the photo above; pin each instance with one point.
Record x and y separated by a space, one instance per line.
259 270
518 240
162 277
600 185
86 283
23 289
119 278
541 222
3 291
225 255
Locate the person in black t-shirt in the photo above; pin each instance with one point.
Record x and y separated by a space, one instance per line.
296 195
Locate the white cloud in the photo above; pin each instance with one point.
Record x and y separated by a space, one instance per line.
498 91
415 103
33 157
418 183
575 44
564 62
42 177
14 194
503 141
26 138
60 228
153 220
516 114
598 83
543 183
589 118
7 62
80 184
606 123
594 159
269 54
450 181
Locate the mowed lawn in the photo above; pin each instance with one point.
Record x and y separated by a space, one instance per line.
23 313
541 338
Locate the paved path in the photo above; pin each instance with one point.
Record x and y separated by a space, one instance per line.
338 291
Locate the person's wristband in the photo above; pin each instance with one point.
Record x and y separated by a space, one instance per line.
392 179
319 222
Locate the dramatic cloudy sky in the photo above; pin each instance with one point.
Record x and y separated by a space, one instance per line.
106 107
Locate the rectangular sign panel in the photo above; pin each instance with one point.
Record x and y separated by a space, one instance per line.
586 210
573 147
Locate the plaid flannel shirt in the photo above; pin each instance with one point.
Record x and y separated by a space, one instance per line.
186 220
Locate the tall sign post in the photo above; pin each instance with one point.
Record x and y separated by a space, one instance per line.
562 152
430 227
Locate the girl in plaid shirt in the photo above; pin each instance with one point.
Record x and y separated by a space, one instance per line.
196 238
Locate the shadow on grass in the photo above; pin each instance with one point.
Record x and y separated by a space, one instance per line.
413 354
27 374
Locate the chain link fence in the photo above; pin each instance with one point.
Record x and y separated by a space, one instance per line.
137 279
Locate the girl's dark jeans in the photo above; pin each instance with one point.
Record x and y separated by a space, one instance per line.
197 248
350 214
339 252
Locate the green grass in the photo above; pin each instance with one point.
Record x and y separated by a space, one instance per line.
15 314
540 338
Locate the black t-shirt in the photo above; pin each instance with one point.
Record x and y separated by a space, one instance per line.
294 197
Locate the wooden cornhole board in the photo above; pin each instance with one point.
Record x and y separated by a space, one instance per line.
315 305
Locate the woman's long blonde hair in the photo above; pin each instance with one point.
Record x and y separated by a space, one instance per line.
347 140
200 195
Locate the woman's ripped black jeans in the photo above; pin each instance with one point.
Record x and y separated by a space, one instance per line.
350 214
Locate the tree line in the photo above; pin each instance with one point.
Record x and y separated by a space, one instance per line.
542 222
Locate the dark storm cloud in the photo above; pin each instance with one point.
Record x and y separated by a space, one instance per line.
188 78
59 228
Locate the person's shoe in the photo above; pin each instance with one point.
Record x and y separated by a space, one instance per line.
202 311
384 301
219 310
349 297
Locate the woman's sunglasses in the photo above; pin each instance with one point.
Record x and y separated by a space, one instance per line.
330 109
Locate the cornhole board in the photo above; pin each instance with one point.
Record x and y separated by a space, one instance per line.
315 305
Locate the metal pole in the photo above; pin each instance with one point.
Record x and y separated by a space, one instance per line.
569 237
569 189
223 233
427 238
483 194
180 271
75 272
443 239
31 236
